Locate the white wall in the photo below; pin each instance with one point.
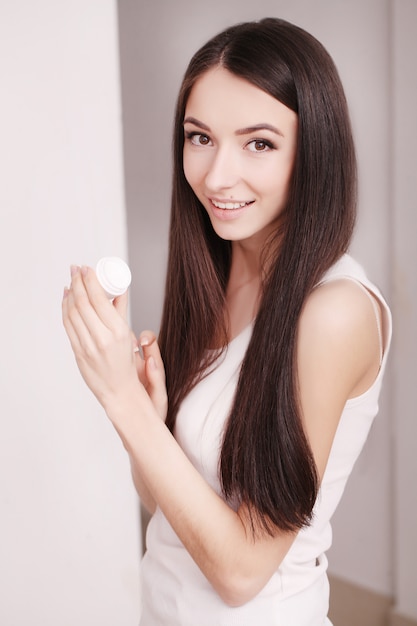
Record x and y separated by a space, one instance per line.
69 542
157 40
68 534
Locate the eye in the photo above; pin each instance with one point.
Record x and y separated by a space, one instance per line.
198 139
260 145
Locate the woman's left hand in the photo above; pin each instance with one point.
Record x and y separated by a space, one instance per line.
102 342
151 372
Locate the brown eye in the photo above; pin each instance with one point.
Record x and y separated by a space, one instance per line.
203 140
260 145
198 139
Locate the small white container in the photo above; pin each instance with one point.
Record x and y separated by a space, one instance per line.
114 276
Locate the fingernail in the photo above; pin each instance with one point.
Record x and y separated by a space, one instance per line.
144 341
151 363
66 292
74 269
84 270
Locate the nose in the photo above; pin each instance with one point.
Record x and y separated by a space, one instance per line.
223 172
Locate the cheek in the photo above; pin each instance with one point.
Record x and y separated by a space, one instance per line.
276 179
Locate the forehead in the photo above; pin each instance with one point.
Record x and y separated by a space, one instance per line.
219 96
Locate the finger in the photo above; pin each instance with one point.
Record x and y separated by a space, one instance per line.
150 348
145 339
121 304
155 372
87 284
100 318
69 329
140 370
156 386
140 363
75 327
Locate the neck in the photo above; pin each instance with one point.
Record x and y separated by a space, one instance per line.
246 263
243 289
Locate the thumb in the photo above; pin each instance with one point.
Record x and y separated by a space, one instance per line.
155 372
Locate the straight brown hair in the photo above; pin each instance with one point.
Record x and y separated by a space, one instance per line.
266 461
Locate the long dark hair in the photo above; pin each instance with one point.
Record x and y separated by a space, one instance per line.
266 461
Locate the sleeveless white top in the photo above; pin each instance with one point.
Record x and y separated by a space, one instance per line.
174 591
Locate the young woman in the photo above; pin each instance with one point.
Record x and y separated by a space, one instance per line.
244 424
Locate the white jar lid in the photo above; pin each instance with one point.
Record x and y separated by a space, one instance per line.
114 275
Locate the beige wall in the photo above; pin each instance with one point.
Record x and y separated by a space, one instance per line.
404 229
374 542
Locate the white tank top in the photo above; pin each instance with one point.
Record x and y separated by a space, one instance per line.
174 591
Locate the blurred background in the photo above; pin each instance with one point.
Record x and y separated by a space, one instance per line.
88 90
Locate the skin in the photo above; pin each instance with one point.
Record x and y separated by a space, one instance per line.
240 145
234 156
337 356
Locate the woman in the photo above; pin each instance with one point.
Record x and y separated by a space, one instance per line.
243 429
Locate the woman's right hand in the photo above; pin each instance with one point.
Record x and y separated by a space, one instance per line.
151 371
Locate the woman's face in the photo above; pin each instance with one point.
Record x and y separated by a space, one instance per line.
239 152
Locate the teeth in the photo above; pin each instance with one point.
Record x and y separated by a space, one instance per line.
229 205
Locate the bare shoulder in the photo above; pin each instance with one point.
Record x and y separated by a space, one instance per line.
340 322
340 306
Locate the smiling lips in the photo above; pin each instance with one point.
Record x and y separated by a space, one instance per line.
230 205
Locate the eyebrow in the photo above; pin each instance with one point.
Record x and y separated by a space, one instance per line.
252 129
241 131
193 120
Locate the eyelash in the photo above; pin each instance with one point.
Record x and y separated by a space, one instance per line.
190 135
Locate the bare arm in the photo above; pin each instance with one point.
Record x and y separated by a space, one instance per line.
338 358
218 539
